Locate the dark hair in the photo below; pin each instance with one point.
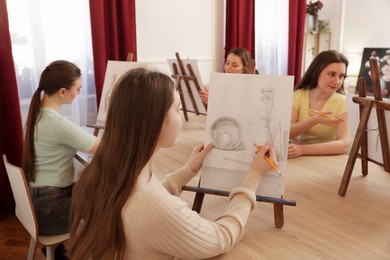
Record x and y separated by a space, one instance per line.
139 103
58 74
323 59
241 52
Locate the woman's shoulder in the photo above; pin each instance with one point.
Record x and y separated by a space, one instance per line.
301 93
338 97
53 115
154 199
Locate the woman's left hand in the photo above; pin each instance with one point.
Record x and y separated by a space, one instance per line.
335 121
326 118
204 95
198 155
294 150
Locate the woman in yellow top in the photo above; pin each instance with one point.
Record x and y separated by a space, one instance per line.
319 119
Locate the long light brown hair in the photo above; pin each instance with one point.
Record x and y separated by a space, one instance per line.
137 109
58 74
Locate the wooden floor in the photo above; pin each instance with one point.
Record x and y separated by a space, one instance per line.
322 225
14 240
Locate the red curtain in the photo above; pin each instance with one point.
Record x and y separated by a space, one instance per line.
240 25
11 133
113 35
297 13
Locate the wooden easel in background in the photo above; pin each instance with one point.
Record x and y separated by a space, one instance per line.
278 203
360 141
178 75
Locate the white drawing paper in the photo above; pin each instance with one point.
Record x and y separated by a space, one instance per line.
244 110
374 147
185 91
113 71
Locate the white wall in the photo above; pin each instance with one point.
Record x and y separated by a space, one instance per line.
331 12
355 24
364 26
194 28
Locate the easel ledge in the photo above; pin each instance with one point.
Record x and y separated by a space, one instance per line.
278 203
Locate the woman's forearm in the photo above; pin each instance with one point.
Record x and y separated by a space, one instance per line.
301 127
332 147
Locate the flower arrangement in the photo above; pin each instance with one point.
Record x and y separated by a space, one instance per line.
313 7
383 64
384 70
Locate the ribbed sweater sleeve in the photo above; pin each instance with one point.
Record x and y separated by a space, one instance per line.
160 226
175 181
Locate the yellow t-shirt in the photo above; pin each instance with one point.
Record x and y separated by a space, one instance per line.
319 133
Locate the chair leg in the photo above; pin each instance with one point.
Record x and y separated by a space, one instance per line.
31 249
50 253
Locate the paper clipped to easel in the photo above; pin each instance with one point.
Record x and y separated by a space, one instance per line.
113 72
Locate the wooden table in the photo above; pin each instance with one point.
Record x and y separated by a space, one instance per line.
323 225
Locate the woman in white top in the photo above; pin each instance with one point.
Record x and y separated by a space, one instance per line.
122 211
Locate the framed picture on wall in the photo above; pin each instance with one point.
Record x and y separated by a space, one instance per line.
383 57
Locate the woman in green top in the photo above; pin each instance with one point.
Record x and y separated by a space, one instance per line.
51 141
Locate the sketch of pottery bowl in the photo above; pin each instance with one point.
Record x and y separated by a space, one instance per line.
226 133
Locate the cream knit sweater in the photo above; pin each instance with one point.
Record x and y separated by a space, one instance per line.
159 225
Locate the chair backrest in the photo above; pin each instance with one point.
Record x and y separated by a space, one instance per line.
24 208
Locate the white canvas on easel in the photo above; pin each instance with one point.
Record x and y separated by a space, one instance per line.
374 147
245 109
113 71
194 66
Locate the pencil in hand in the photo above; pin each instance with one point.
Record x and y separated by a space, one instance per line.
320 113
258 147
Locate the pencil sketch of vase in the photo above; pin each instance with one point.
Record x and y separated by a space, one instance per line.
267 97
279 138
226 134
263 133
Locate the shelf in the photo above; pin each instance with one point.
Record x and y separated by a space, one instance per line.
315 42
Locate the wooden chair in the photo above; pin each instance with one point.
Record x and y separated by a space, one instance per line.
24 210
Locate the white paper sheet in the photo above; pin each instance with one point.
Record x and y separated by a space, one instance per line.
246 109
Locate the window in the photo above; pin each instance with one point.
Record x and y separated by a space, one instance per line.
271 25
43 31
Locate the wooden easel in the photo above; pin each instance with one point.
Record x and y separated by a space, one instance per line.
360 141
278 203
178 76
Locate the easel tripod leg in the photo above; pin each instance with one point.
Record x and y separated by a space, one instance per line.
198 201
355 147
278 215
